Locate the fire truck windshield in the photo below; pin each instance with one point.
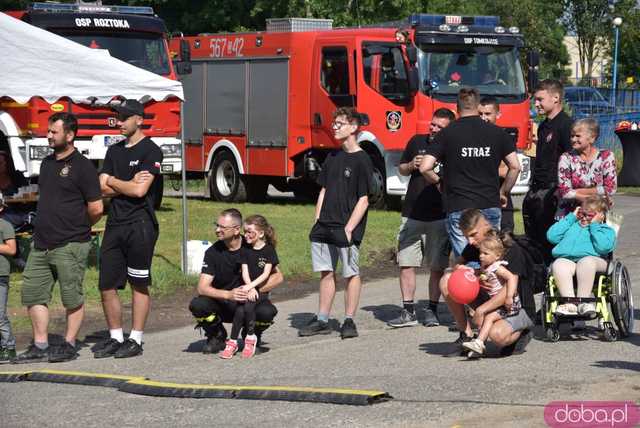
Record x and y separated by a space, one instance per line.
141 50
493 70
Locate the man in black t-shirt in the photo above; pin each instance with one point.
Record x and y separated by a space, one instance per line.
69 203
554 138
130 176
220 281
423 234
471 151
341 217
511 334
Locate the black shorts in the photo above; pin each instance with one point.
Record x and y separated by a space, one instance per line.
126 253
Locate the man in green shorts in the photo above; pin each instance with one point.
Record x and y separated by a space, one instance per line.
70 202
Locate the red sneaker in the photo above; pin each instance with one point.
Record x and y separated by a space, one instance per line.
230 349
250 343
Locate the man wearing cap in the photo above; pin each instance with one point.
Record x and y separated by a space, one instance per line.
130 176
69 203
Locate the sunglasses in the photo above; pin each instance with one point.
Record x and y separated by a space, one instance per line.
583 215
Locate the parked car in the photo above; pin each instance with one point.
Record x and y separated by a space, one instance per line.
584 100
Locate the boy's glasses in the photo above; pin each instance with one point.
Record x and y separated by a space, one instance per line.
337 125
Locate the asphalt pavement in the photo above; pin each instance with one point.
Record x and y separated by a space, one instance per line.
428 388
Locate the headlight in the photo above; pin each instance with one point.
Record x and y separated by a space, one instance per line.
171 150
39 152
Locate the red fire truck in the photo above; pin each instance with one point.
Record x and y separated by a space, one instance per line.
131 34
259 105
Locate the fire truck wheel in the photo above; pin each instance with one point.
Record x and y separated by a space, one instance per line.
224 179
377 197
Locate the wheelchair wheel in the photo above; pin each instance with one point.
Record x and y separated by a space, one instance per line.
622 299
609 333
552 333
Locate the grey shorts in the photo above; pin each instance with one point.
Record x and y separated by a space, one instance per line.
520 321
324 258
423 240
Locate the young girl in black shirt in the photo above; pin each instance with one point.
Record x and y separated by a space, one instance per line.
258 261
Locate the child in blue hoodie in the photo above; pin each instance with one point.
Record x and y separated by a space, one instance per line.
581 241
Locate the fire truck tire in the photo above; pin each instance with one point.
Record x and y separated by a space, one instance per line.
377 198
394 202
225 182
306 191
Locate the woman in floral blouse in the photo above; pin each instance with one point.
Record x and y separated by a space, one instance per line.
585 170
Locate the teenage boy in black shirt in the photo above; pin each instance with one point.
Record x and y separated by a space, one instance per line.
220 281
423 234
341 216
471 151
554 138
70 202
130 177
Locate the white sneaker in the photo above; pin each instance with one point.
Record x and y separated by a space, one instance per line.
475 345
567 309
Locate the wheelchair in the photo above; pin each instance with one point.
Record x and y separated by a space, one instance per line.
613 300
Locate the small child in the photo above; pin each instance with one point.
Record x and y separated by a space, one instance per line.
582 240
493 277
258 261
7 249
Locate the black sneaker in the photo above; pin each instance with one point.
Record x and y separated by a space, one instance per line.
33 354
457 348
406 319
348 329
213 345
62 353
314 327
7 354
431 318
108 349
128 349
517 347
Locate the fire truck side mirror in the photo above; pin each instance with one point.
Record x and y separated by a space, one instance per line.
533 60
364 119
184 65
412 54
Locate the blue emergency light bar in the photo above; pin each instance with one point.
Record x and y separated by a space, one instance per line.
90 8
428 20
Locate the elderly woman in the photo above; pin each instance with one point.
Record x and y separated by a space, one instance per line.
585 170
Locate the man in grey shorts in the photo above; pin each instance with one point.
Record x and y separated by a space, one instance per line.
423 233
341 217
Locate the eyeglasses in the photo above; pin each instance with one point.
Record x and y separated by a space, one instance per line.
219 226
583 215
337 125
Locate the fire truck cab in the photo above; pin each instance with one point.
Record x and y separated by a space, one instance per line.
131 34
259 105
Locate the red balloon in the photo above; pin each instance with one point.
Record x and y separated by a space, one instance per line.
463 286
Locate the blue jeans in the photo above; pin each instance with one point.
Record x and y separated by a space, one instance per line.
458 240
6 335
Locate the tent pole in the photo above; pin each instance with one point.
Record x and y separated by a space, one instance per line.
185 221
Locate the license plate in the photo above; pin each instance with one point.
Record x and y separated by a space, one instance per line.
167 168
110 140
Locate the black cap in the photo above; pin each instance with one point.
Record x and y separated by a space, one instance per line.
129 108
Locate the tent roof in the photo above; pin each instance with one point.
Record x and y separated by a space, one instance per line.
37 63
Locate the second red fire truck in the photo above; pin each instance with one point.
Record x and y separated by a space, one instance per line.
259 105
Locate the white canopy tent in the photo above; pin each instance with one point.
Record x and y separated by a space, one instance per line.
38 63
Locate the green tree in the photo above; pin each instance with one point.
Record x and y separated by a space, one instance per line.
628 47
589 21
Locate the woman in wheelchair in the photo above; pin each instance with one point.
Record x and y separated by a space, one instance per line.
582 240
493 278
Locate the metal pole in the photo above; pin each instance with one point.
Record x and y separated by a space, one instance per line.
615 70
185 221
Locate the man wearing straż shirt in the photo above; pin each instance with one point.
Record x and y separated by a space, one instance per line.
471 151
130 176
423 234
